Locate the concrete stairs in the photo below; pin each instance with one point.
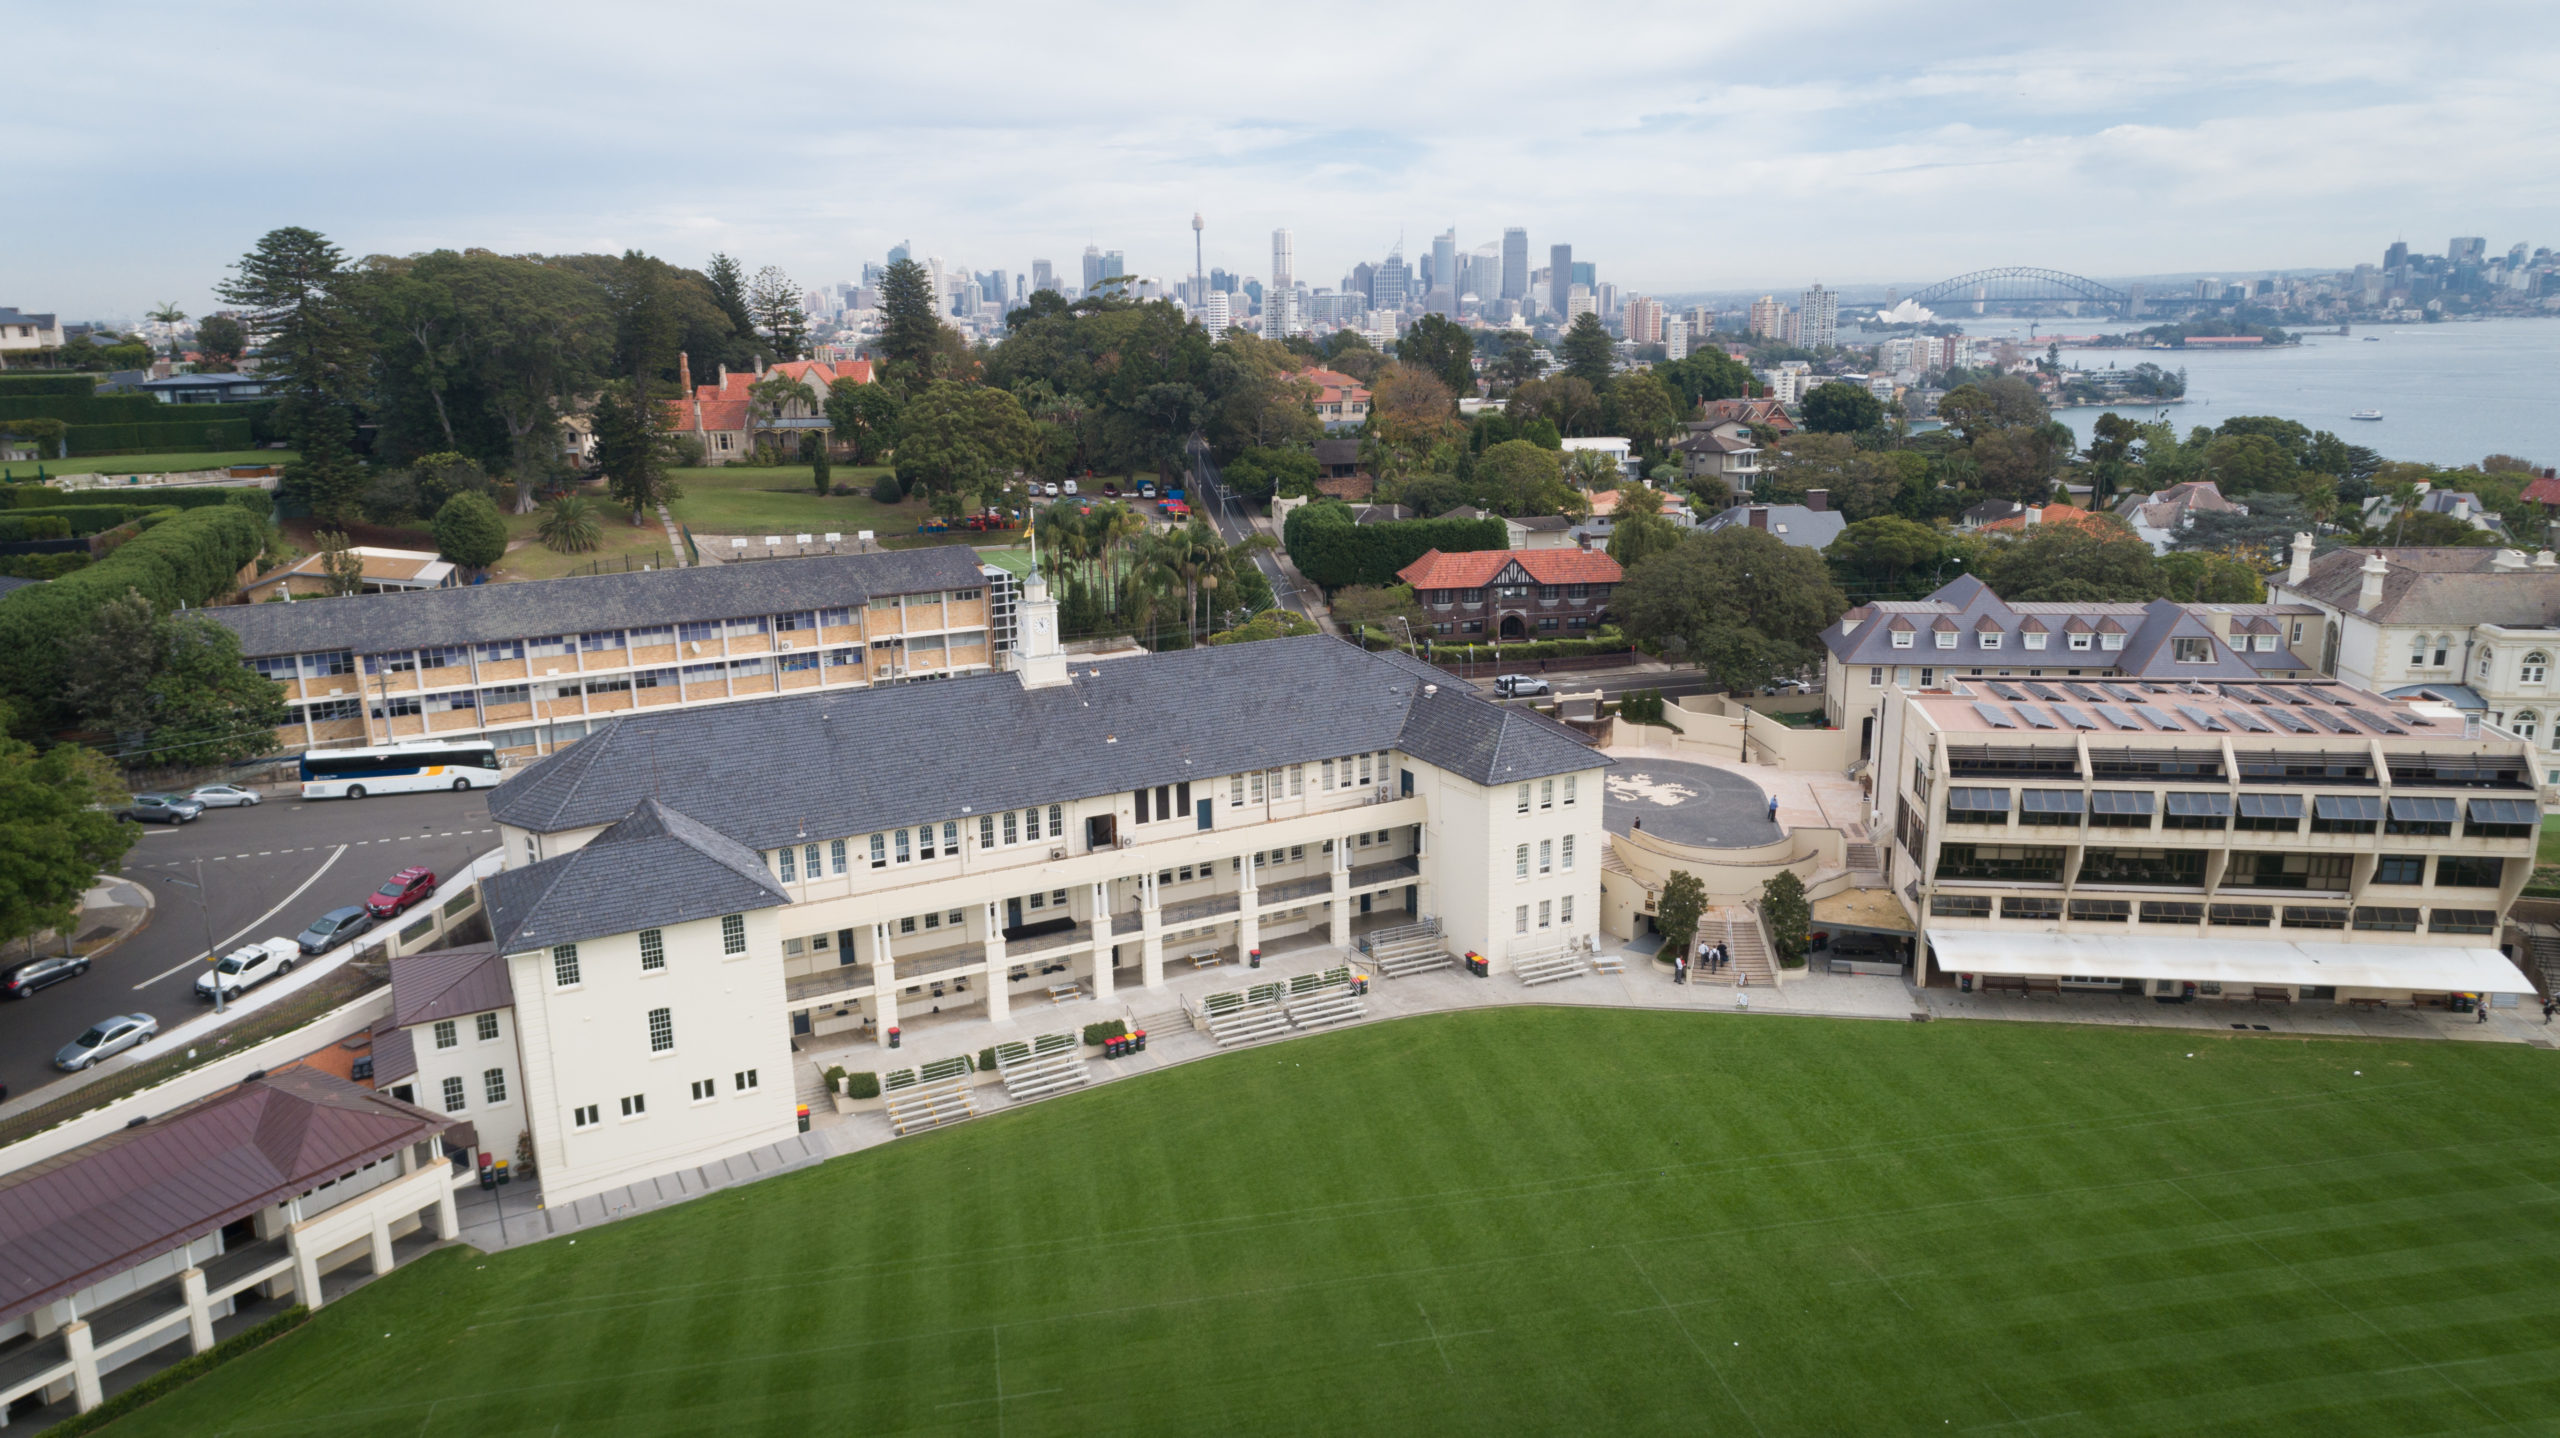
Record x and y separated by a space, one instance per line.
1735 929
1865 861
2544 950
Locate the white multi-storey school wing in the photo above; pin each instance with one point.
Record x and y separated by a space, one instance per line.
688 890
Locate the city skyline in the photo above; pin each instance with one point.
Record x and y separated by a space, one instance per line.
1984 144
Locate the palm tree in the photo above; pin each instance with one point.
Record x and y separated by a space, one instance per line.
1119 528
169 314
568 526
1590 469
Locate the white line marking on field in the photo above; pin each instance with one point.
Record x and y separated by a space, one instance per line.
1435 1338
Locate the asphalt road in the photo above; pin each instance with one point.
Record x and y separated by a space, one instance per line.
268 872
1210 497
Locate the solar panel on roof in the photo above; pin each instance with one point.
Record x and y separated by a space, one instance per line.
2083 691
2288 720
2150 688
2376 722
2119 718
2201 719
2043 692
2405 717
2330 722
2035 717
2337 694
1991 716
2247 720
2075 716
2006 691
2125 692
2159 717
2270 694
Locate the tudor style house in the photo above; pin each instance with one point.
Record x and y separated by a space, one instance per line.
721 418
1513 594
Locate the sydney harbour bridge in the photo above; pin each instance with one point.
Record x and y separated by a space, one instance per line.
2017 289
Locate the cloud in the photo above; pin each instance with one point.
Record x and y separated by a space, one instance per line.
1680 149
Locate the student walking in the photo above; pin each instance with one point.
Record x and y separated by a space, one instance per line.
2483 1010
2547 1006
1680 968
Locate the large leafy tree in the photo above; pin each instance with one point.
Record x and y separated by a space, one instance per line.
1677 912
220 341
728 281
470 532
529 340
962 441
1706 374
295 289
1438 345
633 445
908 325
865 416
169 689
1840 407
58 832
2099 559
1589 353
1565 402
1876 553
1741 602
1519 479
1643 409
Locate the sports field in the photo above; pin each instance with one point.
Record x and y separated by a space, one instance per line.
1551 1221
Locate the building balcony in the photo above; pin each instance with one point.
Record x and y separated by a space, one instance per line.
1393 871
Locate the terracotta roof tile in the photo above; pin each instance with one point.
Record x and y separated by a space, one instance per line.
1476 569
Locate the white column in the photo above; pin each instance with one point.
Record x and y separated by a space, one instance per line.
199 1310
1102 976
448 1221
306 1271
1341 926
999 969
1151 933
84 1365
381 1246
884 985
1249 923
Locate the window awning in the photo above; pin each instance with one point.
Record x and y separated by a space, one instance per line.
2050 801
1978 801
2347 806
2271 806
2421 809
2120 801
2213 805
2505 811
2412 968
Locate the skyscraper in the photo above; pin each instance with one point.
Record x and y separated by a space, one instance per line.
1113 265
1587 275
1393 283
2396 256
1364 278
1644 320
1092 267
1281 295
1559 277
1216 314
1768 318
2466 249
1446 283
1515 263
1818 322
898 252
1042 276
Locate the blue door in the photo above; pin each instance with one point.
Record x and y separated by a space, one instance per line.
1203 807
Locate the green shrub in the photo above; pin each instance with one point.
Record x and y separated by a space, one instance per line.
16 386
1332 551
834 1077
987 1059
163 437
1095 1035
34 526
862 1085
885 490
45 496
179 1374
43 566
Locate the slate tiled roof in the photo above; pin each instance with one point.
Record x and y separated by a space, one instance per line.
373 623
649 870
833 765
1476 568
448 984
2448 586
106 1206
1796 524
1968 609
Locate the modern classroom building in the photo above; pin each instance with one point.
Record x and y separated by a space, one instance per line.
687 890
2294 841
535 665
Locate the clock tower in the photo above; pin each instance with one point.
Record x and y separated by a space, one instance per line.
1038 653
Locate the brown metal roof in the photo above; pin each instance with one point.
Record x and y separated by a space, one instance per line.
395 1055
89 1214
449 983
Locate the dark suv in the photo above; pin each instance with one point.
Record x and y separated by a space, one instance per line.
21 979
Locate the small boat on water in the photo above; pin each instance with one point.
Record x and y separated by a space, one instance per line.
2366 414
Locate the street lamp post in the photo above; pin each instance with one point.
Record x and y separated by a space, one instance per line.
204 916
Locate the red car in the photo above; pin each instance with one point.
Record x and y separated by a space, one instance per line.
399 892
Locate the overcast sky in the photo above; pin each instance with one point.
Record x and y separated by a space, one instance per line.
1681 147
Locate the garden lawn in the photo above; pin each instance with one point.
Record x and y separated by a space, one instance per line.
734 499
153 463
2547 852
1551 1221
622 543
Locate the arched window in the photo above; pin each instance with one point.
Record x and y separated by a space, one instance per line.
2444 649
2523 724
2534 667
2483 665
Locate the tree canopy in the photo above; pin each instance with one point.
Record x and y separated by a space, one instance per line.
1740 602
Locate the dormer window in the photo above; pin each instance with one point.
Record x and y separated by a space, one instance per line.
1988 639
2263 643
2188 649
2034 639
1946 639
2079 641
2112 641
1902 639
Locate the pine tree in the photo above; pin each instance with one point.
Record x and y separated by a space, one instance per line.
729 291
775 302
907 320
294 286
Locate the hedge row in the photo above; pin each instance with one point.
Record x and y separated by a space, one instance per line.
89 439
43 524
1331 550
179 1374
111 409
186 559
43 566
87 518
34 384
45 496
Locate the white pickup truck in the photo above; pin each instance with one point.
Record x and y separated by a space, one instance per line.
248 966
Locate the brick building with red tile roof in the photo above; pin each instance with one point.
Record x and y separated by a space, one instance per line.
1513 593
718 416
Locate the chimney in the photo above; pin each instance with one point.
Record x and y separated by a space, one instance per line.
2035 514
2219 621
2371 593
1759 516
684 373
724 377
1817 500
2300 573
2507 561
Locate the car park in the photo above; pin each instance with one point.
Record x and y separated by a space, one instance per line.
248 966
334 928
223 796
399 892
26 976
163 809
104 1040
1519 686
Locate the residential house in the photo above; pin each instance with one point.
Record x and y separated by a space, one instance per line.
1342 403
1810 525
21 331
1536 531
2456 504
721 418
1513 594
209 388
2160 517
386 571
1722 449
1620 452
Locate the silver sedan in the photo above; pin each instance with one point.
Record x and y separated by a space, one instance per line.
105 1039
223 796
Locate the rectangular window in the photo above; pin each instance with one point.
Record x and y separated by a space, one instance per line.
879 851
453 1095
446 1037
2191 649
634 1105
788 858
2240 916
904 852
1235 792
1546 856
733 933
1324 778
2400 869
662 1030
2298 916
2016 907
809 861
2101 911
1297 780
1364 770
584 1116
1520 862
1960 906
1521 803
2462 921
1875 676
745 1079
1057 821
2386 920
951 837
2466 873
2172 911
1546 793
1568 853
836 854
1568 791
493 1085
653 950
1546 913
564 966
1564 909
705 1090
488 1027
1520 920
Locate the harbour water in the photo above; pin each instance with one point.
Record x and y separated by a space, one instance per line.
2450 394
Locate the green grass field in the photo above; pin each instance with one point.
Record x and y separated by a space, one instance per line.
736 499
1552 1221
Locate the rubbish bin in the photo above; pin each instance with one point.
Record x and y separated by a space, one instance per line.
893 1035
503 1175
488 1173
1255 961
1138 1041
804 1118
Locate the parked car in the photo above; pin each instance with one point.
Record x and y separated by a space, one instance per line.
1111 489
1788 686
334 928
104 1040
21 979
1050 489
223 796
1070 486
1520 686
1146 489
248 966
400 891
163 809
